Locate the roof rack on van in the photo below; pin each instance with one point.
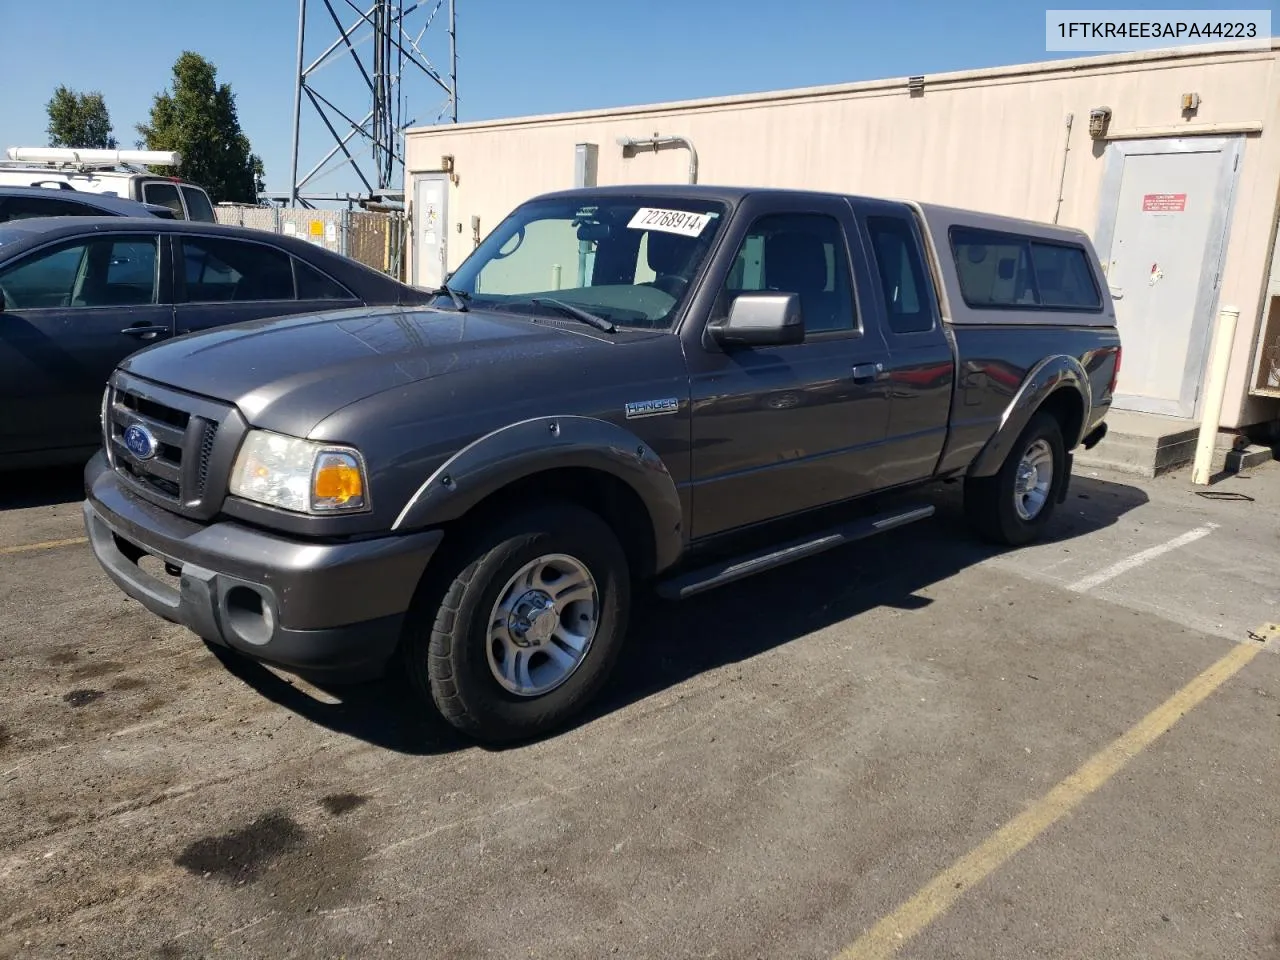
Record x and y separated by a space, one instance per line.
68 157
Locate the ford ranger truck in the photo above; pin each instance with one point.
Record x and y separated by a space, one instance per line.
659 388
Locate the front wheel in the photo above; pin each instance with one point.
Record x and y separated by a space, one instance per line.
529 626
1014 506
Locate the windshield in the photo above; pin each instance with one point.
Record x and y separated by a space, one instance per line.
628 260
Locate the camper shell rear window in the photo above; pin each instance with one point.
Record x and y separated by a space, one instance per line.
1001 270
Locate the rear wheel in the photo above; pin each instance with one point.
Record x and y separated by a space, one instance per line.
1014 506
528 627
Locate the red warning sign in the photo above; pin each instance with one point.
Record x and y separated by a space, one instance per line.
1164 203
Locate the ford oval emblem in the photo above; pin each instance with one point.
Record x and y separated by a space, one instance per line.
139 441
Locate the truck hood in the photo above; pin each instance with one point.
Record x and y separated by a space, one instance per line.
289 373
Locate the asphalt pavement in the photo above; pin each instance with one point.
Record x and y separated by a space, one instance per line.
916 746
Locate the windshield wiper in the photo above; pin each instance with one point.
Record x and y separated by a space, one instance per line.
568 309
456 296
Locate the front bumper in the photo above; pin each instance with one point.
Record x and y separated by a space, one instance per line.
332 609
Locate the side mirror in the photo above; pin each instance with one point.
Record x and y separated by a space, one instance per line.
761 320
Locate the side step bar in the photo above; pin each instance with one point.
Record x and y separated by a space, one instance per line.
718 574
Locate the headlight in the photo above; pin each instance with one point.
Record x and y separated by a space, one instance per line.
299 475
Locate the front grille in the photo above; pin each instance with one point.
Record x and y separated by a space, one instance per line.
206 451
184 431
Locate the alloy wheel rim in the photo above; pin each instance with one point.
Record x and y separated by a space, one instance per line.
542 625
1033 480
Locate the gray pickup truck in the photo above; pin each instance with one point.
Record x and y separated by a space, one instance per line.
622 389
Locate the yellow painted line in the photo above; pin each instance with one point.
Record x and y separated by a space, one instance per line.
46 545
936 897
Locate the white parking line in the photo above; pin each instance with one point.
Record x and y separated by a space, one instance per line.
1138 559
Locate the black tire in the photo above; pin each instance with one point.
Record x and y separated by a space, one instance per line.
989 502
446 641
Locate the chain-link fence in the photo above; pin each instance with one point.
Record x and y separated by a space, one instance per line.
374 239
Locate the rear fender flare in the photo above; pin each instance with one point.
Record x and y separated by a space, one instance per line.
522 449
1046 377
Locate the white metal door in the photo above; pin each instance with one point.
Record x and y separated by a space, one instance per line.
1164 215
430 215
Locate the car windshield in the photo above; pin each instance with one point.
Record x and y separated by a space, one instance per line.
627 260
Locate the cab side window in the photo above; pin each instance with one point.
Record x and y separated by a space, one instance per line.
198 205
800 253
906 290
164 195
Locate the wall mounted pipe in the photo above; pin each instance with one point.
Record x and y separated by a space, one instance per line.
1062 177
657 142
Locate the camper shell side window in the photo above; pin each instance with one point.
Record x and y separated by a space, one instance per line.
1001 270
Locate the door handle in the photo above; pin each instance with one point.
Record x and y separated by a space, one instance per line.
866 372
145 331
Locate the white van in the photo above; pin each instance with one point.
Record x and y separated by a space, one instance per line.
117 172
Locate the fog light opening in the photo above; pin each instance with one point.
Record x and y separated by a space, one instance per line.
248 616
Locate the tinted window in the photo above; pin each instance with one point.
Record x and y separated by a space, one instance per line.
994 270
797 253
113 272
907 295
314 285
198 206
24 208
234 270
1063 278
165 194
1007 270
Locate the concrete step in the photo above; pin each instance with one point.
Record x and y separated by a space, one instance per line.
1148 445
1254 455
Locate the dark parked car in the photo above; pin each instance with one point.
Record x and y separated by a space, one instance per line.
22 203
82 293
464 493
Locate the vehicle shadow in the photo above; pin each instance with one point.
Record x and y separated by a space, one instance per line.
46 487
732 624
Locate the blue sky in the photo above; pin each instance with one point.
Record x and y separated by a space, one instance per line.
515 56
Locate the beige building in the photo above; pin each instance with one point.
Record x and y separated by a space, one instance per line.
1178 185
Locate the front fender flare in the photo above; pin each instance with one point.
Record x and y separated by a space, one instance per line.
1047 376
522 449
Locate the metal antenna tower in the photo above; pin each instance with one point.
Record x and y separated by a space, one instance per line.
383 47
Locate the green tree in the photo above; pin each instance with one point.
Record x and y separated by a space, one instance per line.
79 120
197 118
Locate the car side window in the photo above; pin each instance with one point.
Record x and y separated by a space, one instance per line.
105 272
801 253
218 270
24 208
314 285
164 194
901 272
